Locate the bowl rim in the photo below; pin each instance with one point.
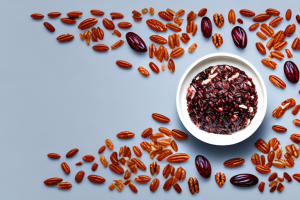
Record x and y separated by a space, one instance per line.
264 100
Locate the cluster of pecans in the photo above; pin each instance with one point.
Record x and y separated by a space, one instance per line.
157 149
289 103
274 158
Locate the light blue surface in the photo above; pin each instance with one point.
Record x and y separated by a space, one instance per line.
55 97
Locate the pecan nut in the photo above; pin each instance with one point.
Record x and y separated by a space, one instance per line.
142 179
254 27
123 64
231 17
295 138
279 83
124 25
267 30
154 185
115 15
65 167
272 11
116 168
53 181
219 20
288 53
96 179
247 13
179 135
262 146
165 15
156 25
74 14
193 185
100 47
261 186
290 30
64 185
263 169
276 54
217 40
54 14
65 38
117 44
103 161
158 39
269 63
288 14
49 27
296 44
260 47
97 12
53 155
275 22
234 162
108 24
261 17
202 12
178 158
220 179
37 16
79 176
255 159
173 27
87 23
125 135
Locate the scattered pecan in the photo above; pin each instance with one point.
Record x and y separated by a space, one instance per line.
151 11
202 12
296 44
220 179
276 54
217 40
269 63
145 11
154 185
262 146
231 17
261 186
261 17
191 16
279 83
247 13
254 27
289 30
219 20
260 47
288 14
193 185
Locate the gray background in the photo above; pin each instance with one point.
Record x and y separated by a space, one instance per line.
55 97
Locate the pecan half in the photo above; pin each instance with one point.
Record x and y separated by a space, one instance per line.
261 186
116 168
142 179
49 26
266 30
191 16
171 65
53 155
178 158
154 185
279 83
276 54
262 146
295 138
151 11
64 185
96 179
247 13
193 185
87 23
231 17
108 24
272 11
275 22
65 38
103 161
273 176
219 20
165 15
288 14
287 177
234 162
117 44
288 53
100 47
296 44
261 35
37 16
179 135
202 12
97 12
192 48
123 64
53 181
79 176
74 14
260 47
261 17
269 63
173 27
255 159
263 169
54 14
289 30
217 40
253 27
220 179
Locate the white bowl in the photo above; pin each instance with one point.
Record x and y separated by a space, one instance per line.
212 60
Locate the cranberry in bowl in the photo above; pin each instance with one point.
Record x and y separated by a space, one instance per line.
221 99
